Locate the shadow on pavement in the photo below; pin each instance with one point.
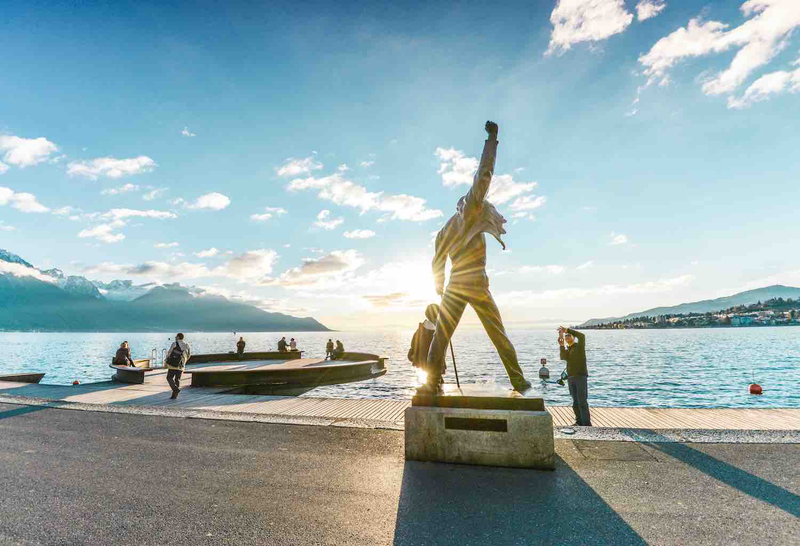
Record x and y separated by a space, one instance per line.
728 474
20 411
458 504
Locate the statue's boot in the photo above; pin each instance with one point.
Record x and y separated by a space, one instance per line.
522 386
433 386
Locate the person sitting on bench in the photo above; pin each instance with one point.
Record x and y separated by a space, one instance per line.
282 345
123 356
338 352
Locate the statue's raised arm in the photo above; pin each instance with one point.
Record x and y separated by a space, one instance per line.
473 201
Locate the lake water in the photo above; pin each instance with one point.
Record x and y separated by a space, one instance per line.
655 368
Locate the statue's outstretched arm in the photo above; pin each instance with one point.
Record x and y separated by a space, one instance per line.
483 176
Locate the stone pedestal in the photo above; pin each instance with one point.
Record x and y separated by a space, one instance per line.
480 425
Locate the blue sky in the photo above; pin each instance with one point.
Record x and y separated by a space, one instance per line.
648 149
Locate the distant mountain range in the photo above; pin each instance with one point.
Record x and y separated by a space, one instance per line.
706 306
47 300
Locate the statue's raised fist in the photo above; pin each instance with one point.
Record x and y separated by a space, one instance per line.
492 128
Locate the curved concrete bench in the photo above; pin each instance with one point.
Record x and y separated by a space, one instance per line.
300 374
234 357
131 374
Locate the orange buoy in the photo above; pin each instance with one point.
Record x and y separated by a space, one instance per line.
755 388
76 382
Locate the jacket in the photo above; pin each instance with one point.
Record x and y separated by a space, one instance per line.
187 352
575 355
462 237
123 357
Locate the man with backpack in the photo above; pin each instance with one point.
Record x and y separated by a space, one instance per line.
179 353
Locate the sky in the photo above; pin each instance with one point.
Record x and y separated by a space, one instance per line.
302 156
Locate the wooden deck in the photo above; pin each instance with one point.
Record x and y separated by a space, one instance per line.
154 393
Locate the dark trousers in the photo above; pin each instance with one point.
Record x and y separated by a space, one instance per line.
579 390
174 379
454 302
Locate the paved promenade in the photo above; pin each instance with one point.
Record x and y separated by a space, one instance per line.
154 396
75 477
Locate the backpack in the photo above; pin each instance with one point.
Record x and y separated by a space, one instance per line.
420 343
175 357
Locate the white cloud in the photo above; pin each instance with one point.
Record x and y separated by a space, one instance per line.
64 211
4 227
359 234
213 201
649 8
758 40
336 189
166 245
111 167
773 83
585 265
271 211
455 167
251 265
208 253
152 270
187 133
503 189
366 164
576 21
618 239
3 168
154 194
294 167
343 168
24 152
551 269
122 189
19 270
121 214
324 223
324 272
104 232
23 202
528 202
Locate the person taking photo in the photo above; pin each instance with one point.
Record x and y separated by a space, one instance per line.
578 375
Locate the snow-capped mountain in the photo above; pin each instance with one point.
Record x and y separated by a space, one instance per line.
74 284
10 257
49 301
119 290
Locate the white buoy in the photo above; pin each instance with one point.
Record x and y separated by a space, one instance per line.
544 373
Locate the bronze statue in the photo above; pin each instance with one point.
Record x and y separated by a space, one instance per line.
463 239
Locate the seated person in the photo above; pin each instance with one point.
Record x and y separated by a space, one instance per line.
292 345
282 345
123 356
329 350
339 351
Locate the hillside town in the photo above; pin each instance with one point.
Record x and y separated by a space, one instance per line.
773 312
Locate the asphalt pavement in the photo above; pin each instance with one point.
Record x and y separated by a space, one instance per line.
74 477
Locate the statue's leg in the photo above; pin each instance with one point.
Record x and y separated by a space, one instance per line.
487 311
453 305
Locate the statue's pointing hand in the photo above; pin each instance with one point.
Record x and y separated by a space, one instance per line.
492 129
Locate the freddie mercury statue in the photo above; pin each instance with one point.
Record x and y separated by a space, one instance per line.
463 239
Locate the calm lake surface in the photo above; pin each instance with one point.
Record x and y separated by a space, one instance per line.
655 368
